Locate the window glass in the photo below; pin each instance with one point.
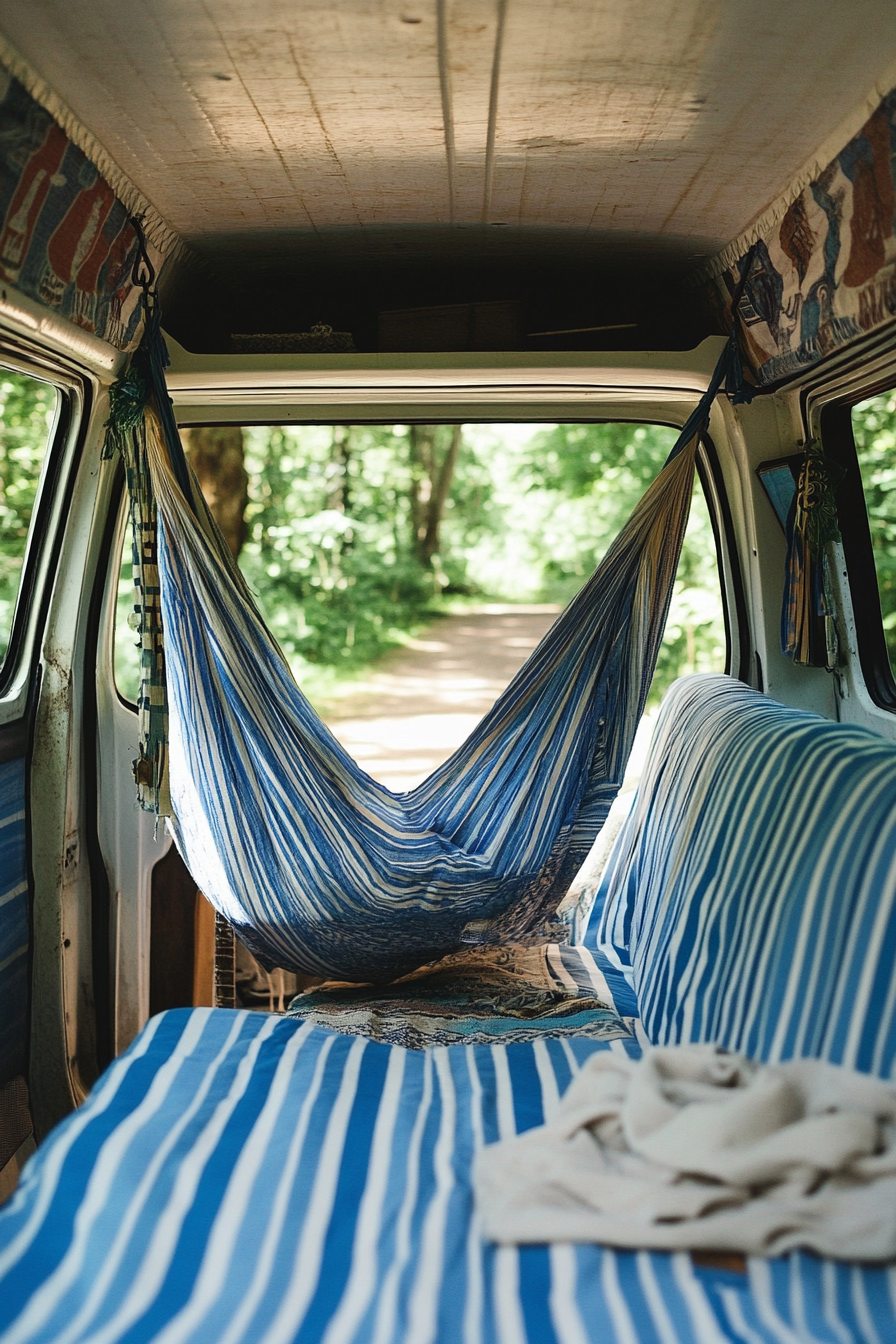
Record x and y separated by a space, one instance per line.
356 538
874 429
27 414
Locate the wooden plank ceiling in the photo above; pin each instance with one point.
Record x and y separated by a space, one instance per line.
645 129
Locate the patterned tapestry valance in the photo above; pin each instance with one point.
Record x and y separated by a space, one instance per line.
825 273
65 239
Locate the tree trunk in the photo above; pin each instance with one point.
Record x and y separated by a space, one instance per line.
439 496
215 453
337 474
421 457
431 477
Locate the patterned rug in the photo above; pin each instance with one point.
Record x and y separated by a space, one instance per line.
475 997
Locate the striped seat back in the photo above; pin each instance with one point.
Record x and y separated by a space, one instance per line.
751 895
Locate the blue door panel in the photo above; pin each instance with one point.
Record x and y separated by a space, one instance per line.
14 923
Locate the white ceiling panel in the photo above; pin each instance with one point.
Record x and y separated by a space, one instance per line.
653 119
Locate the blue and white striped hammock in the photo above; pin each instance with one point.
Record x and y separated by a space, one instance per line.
317 866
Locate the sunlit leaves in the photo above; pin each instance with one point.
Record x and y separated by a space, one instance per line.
874 427
331 550
27 408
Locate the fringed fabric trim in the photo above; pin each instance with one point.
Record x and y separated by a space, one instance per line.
762 224
151 765
159 232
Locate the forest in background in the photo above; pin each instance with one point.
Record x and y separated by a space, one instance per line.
27 412
354 536
874 427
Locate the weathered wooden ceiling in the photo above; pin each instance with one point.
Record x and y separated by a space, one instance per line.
420 129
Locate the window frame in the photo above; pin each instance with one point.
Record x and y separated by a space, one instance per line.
9 658
709 473
42 537
120 530
837 436
735 612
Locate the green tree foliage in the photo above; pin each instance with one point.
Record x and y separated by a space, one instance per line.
346 551
357 535
332 551
27 409
562 495
874 427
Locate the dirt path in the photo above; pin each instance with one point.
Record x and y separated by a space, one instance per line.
423 700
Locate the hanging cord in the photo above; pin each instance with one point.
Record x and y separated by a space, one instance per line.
141 390
728 373
152 359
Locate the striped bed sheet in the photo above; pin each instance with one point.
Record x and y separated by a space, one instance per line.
243 1177
593 971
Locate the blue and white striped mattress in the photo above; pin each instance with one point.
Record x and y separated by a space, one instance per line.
240 1177
751 894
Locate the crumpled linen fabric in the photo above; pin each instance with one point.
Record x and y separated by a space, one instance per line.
691 1147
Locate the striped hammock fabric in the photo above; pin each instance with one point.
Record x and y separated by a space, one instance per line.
317 866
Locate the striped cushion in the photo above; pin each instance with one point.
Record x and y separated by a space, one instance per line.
595 972
239 1177
750 895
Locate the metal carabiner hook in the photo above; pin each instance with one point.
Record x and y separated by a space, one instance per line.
143 272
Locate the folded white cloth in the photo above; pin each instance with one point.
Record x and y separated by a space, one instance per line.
695 1148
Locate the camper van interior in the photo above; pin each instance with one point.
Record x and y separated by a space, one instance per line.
447 672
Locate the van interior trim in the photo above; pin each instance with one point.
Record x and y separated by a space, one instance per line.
27 319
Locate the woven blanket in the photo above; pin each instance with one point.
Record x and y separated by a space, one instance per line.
507 993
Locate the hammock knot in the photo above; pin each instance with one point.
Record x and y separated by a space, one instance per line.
128 398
